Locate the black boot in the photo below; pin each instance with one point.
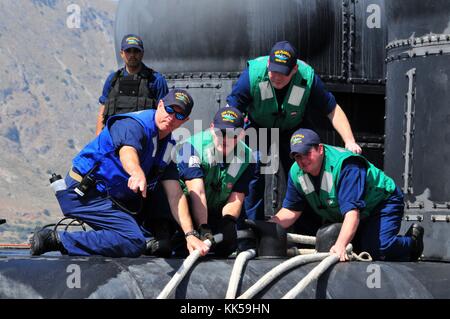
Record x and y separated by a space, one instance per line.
45 240
416 233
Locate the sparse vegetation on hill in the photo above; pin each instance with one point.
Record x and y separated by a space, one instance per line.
51 78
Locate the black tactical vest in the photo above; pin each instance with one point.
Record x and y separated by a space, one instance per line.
130 93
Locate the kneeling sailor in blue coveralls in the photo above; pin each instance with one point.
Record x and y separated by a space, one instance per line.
341 186
130 154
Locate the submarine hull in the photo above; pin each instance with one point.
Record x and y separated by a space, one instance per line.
56 277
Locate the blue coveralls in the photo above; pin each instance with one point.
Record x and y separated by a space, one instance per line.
116 233
377 234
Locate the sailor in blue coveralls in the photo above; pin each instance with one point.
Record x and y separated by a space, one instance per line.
130 154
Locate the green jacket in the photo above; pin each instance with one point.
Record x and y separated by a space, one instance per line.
218 182
325 203
264 110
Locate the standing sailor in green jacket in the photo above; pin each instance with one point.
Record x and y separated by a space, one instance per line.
277 91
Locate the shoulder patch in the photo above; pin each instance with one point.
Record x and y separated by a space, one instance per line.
194 161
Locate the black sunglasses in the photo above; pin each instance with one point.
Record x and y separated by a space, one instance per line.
178 116
132 50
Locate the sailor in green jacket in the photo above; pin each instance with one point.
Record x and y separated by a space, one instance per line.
277 91
341 186
215 167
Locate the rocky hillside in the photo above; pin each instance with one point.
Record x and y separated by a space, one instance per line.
51 75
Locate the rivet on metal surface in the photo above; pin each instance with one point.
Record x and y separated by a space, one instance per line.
440 218
417 218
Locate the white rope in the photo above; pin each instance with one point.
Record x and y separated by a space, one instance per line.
315 273
185 267
243 257
294 251
363 256
291 237
236 273
301 239
278 270
306 251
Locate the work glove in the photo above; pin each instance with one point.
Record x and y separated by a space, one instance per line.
271 238
205 233
160 248
227 227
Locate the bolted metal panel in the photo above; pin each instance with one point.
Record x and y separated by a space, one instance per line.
417 144
436 222
209 94
341 39
366 115
417 116
416 18
368 34
221 35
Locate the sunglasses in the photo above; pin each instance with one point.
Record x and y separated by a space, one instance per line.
178 116
133 50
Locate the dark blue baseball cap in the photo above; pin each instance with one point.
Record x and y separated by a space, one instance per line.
180 98
283 58
228 117
132 41
303 140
